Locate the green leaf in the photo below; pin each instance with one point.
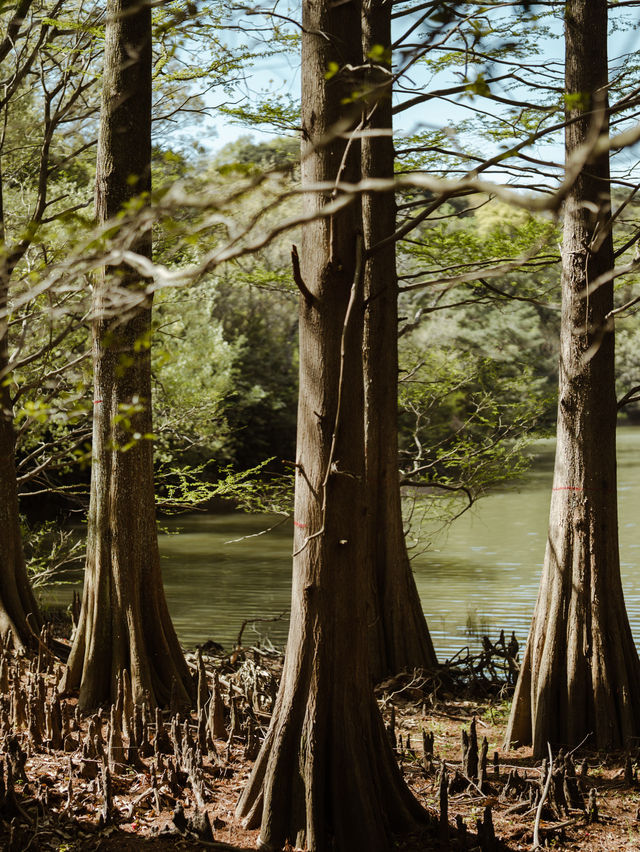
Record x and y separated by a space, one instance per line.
332 70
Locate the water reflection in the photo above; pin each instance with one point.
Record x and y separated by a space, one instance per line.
481 575
485 571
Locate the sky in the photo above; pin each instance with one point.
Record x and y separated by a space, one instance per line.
280 76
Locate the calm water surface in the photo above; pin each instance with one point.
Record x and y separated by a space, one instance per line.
481 575
484 573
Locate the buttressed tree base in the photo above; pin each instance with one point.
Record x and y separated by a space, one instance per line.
124 621
326 776
580 677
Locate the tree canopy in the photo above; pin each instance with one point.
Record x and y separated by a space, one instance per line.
418 270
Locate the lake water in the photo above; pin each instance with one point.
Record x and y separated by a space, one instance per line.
484 574
481 575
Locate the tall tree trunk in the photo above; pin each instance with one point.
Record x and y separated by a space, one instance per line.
581 676
326 777
399 634
17 602
124 622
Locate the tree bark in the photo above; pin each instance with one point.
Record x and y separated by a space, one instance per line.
17 601
124 621
400 637
581 675
326 777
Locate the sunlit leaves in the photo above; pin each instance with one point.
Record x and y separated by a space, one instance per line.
380 54
332 69
281 112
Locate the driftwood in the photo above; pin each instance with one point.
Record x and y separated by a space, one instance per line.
490 672
256 621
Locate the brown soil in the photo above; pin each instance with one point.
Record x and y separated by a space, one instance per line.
50 817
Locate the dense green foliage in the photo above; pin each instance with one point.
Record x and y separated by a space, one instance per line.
478 357
479 281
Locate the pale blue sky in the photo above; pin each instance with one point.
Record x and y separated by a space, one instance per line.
280 76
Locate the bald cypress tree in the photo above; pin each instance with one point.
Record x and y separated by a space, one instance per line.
19 611
580 676
326 777
124 621
400 637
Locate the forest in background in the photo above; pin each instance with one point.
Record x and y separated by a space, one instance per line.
437 277
478 360
477 381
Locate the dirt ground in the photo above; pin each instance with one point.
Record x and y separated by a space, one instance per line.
59 804
618 825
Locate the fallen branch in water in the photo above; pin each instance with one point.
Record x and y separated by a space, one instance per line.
255 621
